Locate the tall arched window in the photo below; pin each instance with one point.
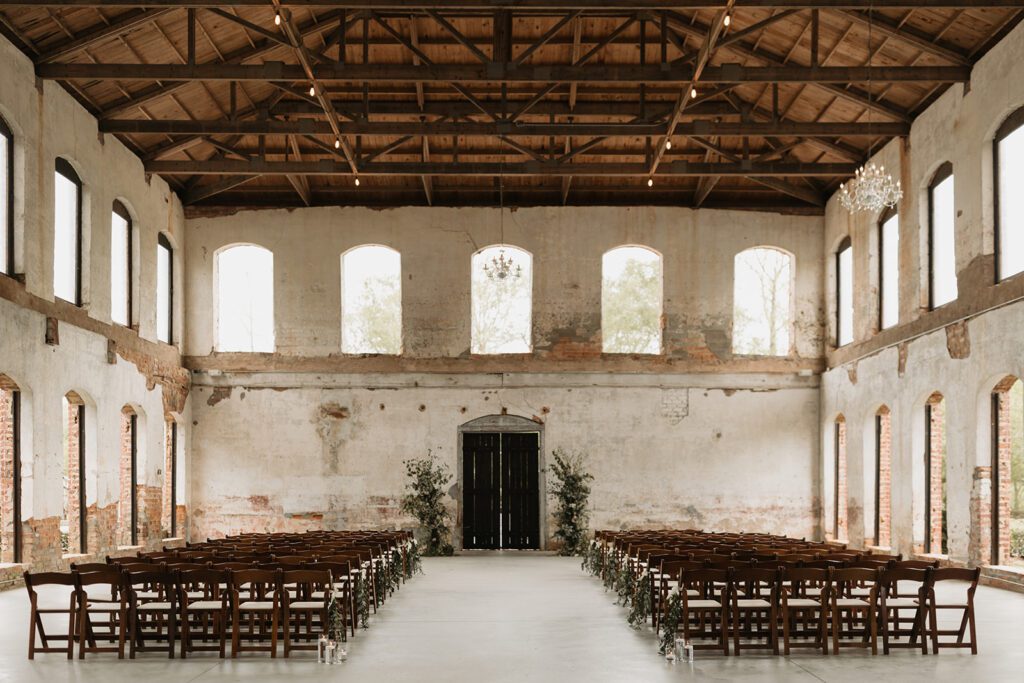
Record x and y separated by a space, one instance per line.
10 471
172 478
1009 172
121 265
839 487
935 539
502 300
1007 472
844 293
67 233
164 289
883 477
6 198
762 302
74 521
128 502
631 296
245 299
888 269
371 300
942 284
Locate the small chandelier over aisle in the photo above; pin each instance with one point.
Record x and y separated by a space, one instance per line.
872 189
502 267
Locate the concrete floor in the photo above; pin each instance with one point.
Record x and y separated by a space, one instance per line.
522 617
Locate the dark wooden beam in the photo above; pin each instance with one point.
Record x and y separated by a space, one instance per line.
509 73
583 108
524 5
311 127
747 168
100 32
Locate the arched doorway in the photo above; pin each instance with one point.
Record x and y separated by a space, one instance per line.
500 476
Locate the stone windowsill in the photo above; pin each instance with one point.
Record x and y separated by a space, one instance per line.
932 556
173 539
126 548
13 565
1006 568
881 549
74 556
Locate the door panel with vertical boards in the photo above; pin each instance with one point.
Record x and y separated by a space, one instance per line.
501 495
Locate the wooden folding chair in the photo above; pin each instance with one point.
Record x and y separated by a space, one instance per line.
965 606
753 592
255 595
35 622
305 596
805 593
203 600
112 630
705 615
152 611
860 627
894 600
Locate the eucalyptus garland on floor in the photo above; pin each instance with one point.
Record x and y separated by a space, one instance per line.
363 600
640 604
670 624
335 618
424 500
413 562
593 559
571 489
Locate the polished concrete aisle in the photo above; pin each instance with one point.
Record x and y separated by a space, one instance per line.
521 617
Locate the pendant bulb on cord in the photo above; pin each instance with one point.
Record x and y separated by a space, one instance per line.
668 144
277 18
337 143
650 182
693 93
357 181
312 91
727 20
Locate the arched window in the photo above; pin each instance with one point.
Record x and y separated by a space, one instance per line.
128 502
245 299
888 269
164 289
1009 172
121 265
67 233
371 300
1008 472
6 198
631 296
502 299
10 471
172 478
935 539
844 293
942 286
762 296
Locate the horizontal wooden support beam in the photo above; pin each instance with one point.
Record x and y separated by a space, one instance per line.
313 127
232 167
466 108
524 6
505 73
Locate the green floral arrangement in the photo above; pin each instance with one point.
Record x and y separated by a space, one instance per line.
593 559
625 585
640 604
571 489
413 561
363 601
424 500
335 615
670 624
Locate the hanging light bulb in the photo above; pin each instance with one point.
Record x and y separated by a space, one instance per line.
668 144
728 19
650 182
337 143
312 91
277 18
357 181
693 93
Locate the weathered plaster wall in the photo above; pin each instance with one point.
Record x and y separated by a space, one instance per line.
962 349
109 365
309 437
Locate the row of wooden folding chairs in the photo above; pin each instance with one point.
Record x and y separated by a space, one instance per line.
749 606
196 606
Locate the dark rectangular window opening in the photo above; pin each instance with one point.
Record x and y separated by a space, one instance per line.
928 478
83 520
16 474
878 480
174 479
835 497
996 435
135 479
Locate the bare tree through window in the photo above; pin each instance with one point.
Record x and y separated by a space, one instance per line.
762 308
502 307
371 300
631 296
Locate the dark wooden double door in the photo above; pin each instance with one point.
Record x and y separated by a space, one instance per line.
500 493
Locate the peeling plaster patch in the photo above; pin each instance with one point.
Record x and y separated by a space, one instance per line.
333 411
903 349
329 420
958 340
851 372
727 392
218 394
675 404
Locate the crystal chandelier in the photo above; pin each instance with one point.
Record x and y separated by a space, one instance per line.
872 189
502 267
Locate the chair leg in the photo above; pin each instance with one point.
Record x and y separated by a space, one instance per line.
785 633
235 634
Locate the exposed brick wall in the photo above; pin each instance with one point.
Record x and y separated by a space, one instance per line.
936 475
842 498
1010 415
884 478
165 509
980 548
124 507
6 474
72 477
